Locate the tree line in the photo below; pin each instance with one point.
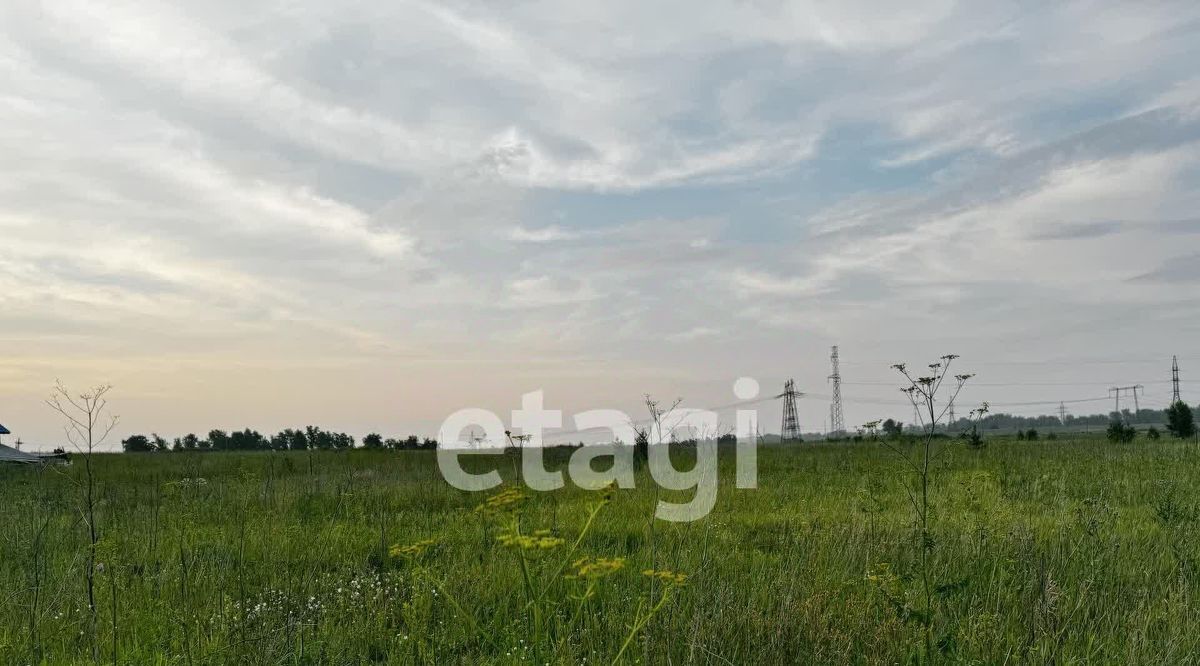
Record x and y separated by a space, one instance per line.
1002 421
1177 419
289 439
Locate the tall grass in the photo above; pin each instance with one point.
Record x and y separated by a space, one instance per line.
1074 551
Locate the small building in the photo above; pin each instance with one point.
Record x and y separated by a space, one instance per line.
10 455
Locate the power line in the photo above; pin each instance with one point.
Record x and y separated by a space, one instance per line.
1058 361
1022 384
648 421
791 414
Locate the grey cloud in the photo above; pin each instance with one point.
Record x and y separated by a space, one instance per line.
1181 270
1077 231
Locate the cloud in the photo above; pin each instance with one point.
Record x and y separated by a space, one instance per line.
1078 231
544 290
363 184
1184 269
547 234
694 333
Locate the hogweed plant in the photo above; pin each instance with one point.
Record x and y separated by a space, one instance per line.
87 424
930 403
557 580
974 439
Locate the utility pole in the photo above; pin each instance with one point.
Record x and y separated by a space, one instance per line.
1175 380
1116 391
790 429
836 420
1062 413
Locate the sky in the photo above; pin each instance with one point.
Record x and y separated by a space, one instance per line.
365 216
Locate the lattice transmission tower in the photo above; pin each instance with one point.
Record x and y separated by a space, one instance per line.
790 430
1175 380
837 422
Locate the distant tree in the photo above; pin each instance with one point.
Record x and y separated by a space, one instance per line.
247 440
295 440
177 445
892 428
1120 432
191 442
1031 435
137 444
728 439
318 439
641 445
429 444
218 440
1180 420
159 443
1020 435
373 441
343 441
1153 433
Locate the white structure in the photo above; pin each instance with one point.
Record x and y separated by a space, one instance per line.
9 454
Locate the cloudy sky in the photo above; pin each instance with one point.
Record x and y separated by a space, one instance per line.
368 215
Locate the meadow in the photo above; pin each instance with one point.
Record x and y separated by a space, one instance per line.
1070 551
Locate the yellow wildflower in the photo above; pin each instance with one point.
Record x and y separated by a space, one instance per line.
539 540
666 577
412 550
504 501
596 567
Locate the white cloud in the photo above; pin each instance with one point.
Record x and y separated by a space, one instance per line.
694 333
547 234
373 181
545 290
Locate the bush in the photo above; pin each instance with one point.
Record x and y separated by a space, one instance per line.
1032 435
1180 421
1120 432
137 444
1153 433
892 428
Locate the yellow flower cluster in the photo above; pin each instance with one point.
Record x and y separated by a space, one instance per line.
880 573
884 579
504 501
412 550
539 540
666 576
596 567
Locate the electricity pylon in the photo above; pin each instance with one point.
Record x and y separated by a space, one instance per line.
837 422
789 431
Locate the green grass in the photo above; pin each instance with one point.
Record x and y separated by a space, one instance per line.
1072 551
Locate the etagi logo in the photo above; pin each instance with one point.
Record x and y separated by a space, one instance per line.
533 419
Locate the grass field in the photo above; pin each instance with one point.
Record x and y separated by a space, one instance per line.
1072 551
